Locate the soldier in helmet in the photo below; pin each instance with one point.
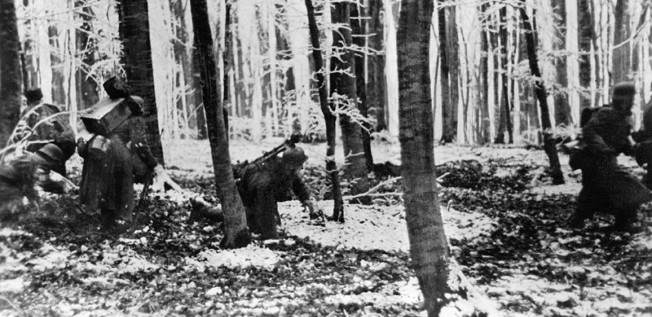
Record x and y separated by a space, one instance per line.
263 185
606 187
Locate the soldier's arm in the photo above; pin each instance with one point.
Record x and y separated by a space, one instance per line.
139 144
603 119
300 189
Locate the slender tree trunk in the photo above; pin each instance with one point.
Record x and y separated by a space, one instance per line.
343 89
428 243
11 79
506 102
540 91
359 31
331 167
236 233
134 30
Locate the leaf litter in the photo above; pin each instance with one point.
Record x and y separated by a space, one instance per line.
505 224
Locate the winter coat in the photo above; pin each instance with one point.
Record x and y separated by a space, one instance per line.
606 186
108 179
261 187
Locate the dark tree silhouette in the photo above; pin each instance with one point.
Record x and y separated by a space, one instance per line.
12 76
236 233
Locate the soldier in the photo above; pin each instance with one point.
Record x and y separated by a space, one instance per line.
644 150
21 176
606 187
261 186
113 156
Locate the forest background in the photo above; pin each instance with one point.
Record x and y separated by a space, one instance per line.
483 90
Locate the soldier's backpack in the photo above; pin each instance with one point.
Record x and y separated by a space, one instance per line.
576 149
587 114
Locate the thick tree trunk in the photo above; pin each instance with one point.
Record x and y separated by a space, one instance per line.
540 91
87 88
428 243
134 31
562 107
448 80
359 31
377 86
11 79
622 57
236 233
331 167
343 89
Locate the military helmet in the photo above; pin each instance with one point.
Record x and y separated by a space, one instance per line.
294 157
51 153
624 90
33 95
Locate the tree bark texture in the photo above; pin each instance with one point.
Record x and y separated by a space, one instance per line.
428 243
236 233
540 91
506 102
87 88
12 77
343 84
331 167
377 86
622 51
448 83
359 31
134 31
562 107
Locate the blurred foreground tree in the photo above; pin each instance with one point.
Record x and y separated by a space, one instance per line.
134 31
428 243
11 72
236 233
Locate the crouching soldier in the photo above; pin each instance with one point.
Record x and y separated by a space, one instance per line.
114 155
606 187
644 148
24 175
261 186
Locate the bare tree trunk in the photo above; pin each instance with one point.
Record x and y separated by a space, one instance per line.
585 35
134 30
540 90
506 102
449 61
331 167
236 233
622 57
562 107
11 79
359 30
87 88
343 89
428 243
377 87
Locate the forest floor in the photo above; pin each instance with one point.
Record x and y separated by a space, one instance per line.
505 222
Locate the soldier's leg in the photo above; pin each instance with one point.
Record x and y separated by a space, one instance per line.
266 214
588 202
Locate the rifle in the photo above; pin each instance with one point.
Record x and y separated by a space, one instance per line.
289 143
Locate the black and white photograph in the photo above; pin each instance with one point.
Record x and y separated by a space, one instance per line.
412 158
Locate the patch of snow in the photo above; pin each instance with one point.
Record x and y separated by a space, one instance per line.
55 257
252 255
375 227
12 286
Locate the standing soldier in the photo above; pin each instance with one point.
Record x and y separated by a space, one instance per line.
606 187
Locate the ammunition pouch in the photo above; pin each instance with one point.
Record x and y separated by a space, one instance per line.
98 147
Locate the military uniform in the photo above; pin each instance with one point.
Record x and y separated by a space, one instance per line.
606 187
109 170
263 185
